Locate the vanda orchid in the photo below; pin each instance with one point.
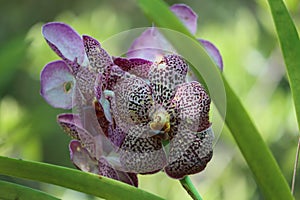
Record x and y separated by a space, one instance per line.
134 115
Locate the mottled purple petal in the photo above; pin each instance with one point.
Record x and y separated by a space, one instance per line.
70 124
81 158
186 15
110 130
103 122
98 87
86 80
129 178
151 45
213 52
136 66
106 169
165 75
116 135
116 73
140 152
192 105
189 152
132 102
98 57
57 85
65 41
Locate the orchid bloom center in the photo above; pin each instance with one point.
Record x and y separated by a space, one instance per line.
160 120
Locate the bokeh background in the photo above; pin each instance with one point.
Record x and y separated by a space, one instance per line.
243 31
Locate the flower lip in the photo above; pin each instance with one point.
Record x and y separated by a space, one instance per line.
160 120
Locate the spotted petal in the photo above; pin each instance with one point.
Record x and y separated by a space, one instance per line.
70 124
192 105
57 85
136 66
106 169
186 15
165 75
150 45
141 152
132 102
98 57
110 130
189 152
65 41
213 52
86 82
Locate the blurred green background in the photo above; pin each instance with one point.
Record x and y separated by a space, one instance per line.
242 30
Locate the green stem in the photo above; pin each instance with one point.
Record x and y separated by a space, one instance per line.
187 184
11 191
74 179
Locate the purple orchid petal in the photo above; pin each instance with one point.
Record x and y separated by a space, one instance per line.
151 45
106 169
189 152
192 105
65 41
57 85
114 134
186 15
86 81
129 178
98 57
165 75
213 52
116 73
100 114
132 102
136 66
70 124
141 153
98 87
81 158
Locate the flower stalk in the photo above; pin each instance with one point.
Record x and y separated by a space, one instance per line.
188 185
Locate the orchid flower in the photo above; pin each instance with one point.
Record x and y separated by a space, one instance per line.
77 81
134 115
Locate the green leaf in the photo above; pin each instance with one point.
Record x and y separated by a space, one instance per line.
255 151
11 191
73 179
290 47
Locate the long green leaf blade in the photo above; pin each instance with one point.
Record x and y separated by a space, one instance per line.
73 179
258 156
11 191
290 47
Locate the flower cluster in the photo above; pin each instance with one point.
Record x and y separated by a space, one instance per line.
134 115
